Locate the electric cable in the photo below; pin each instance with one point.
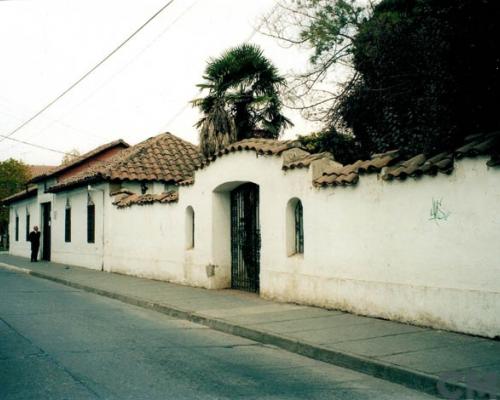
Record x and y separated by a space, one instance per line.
73 85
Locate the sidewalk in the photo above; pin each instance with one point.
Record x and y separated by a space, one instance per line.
435 362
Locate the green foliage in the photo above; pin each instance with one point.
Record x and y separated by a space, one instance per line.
345 148
429 73
242 101
13 178
327 28
332 24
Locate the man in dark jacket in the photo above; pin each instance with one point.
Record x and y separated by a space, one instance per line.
34 238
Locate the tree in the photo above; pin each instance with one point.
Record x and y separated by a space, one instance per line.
70 156
345 148
14 176
429 74
425 73
326 28
243 99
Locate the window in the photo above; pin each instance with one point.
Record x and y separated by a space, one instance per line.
17 228
27 225
189 227
295 227
90 222
67 225
299 228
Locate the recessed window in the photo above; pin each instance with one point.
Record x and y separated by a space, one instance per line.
299 228
189 228
27 225
17 229
90 221
67 224
295 227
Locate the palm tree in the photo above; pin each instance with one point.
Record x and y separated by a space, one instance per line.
242 101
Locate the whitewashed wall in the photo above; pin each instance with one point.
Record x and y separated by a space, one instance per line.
372 249
79 251
22 247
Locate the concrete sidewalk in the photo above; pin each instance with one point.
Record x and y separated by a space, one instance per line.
442 363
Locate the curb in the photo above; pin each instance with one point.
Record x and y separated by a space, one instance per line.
420 381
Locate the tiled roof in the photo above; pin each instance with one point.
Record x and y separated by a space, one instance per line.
260 146
306 160
36 170
126 199
164 158
79 160
392 166
481 144
23 194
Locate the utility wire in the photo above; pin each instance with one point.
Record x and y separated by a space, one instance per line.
87 73
39 146
147 47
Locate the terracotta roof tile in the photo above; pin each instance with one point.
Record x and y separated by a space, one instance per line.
480 144
260 146
36 170
306 160
391 166
164 158
124 199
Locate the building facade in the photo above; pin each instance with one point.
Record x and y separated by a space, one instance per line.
408 240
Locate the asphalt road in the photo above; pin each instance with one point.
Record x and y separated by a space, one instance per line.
61 343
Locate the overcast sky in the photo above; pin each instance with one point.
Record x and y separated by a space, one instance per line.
45 45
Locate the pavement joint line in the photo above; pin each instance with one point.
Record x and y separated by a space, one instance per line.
407 377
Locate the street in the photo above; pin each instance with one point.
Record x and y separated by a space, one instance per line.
61 343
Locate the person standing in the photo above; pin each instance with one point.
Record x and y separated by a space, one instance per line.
34 238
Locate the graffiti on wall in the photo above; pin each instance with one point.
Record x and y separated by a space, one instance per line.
438 213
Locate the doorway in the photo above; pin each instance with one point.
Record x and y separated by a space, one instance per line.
46 209
245 238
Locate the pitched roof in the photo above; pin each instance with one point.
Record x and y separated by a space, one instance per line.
79 160
392 166
36 170
163 158
21 195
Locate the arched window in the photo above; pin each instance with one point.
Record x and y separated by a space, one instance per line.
189 228
299 228
295 227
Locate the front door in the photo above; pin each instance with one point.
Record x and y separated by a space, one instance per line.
245 238
46 208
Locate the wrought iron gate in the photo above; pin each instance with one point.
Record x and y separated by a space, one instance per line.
245 238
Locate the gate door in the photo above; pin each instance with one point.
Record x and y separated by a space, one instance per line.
245 238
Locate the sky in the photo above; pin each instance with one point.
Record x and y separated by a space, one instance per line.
144 89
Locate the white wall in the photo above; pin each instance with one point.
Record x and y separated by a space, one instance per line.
79 251
371 249
22 247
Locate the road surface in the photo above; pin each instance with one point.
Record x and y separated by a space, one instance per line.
57 342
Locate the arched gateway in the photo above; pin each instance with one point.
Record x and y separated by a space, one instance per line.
245 237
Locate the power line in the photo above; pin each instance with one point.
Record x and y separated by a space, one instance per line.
39 146
123 68
87 73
